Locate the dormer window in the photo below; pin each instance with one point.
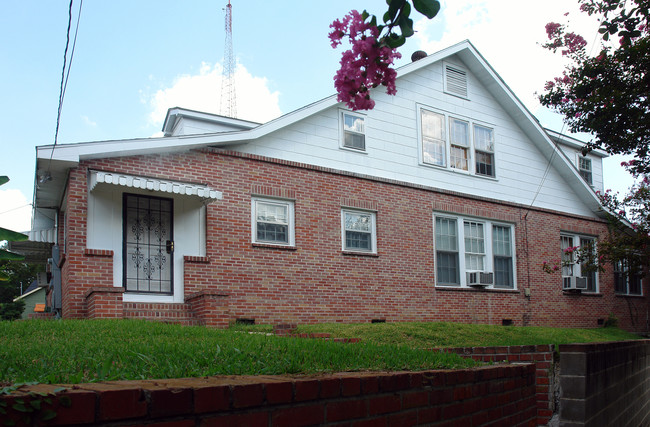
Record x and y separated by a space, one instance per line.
584 167
354 133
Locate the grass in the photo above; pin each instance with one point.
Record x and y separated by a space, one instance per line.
76 351
444 334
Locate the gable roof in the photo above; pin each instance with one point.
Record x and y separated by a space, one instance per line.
61 157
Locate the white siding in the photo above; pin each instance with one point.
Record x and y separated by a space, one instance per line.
105 232
596 165
393 149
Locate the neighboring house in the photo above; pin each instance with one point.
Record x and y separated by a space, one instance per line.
35 298
440 204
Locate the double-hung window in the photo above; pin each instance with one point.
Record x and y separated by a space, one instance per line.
273 221
354 133
358 231
577 272
584 167
627 281
456 143
473 252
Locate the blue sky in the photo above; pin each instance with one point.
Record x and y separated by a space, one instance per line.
135 59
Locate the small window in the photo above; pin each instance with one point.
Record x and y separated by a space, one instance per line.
502 250
584 166
447 251
273 222
354 134
484 146
358 231
459 140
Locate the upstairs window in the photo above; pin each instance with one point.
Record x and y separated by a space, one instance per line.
273 222
354 134
358 231
584 166
457 144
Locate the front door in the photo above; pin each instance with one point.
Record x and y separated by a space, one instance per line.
148 244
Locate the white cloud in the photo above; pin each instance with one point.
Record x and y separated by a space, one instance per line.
201 92
88 121
16 211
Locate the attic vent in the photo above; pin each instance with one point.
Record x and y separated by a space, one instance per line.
455 81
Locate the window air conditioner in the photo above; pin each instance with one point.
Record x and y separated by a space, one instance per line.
479 278
574 283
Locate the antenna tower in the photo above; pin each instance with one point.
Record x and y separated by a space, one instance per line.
228 96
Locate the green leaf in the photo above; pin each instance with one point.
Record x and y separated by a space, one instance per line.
394 7
65 401
428 8
20 407
406 25
12 256
395 41
12 236
36 404
4 179
47 415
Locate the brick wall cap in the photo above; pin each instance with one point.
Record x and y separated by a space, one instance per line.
104 290
205 293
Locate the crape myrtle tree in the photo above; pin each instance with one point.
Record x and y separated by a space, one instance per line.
606 93
369 61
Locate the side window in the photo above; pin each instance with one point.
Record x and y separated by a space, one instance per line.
354 133
472 252
358 231
484 150
273 222
577 275
584 167
626 280
459 140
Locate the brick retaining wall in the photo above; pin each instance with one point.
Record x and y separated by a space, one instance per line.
503 395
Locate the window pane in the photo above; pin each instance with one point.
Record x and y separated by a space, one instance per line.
433 152
635 284
432 125
567 258
446 239
501 241
458 158
447 270
357 240
483 138
269 212
484 163
358 222
474 246
587 270
353 123
354 140
272 232
459 132
503 272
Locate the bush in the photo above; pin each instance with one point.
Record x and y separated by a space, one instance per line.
12 310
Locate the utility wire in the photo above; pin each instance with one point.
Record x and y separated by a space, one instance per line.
65 75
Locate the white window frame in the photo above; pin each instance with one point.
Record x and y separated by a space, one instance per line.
621 268
289 204
576 268
488 239
446 132
373 230
343 131
580 157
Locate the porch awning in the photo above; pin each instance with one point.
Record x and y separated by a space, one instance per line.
155 184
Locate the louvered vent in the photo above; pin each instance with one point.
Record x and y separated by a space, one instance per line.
456 81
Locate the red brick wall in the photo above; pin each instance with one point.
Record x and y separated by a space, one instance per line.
316 282
497 395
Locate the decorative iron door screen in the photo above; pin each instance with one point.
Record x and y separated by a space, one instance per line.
148 244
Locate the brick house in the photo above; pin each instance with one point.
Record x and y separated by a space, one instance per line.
441 203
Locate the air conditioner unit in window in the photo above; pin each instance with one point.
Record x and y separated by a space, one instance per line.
574 283
479 278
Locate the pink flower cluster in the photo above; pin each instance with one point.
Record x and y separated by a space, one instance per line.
365 66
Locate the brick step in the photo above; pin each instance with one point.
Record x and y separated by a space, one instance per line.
173 313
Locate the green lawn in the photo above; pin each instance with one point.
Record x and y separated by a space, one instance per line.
75 351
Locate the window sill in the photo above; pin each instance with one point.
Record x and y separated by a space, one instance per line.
581 293
629 295
270 246
369 254
354 150
457 171
470 289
